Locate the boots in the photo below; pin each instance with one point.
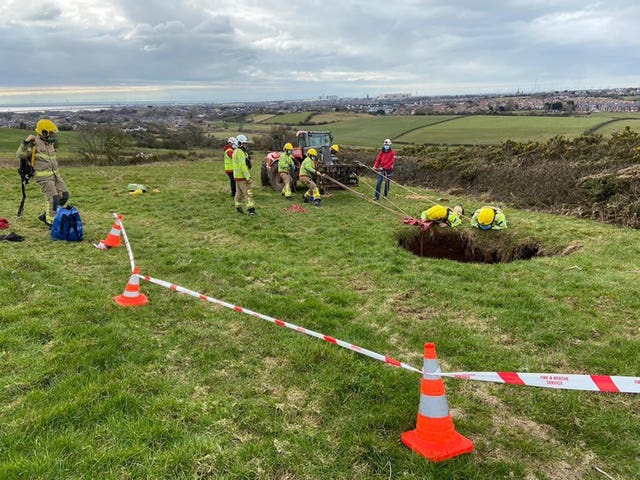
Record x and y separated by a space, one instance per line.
252 211
239 210
43 218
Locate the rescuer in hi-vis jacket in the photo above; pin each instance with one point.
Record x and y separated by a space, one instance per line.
307 171
242 176
228 149
37 154
445 216
285 166
487 218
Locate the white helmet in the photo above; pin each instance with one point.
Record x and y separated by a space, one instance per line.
232 141
242 139
387 141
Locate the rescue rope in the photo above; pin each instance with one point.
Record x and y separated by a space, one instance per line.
393 181
406 188
395 211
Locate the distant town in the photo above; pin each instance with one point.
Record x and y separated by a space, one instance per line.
136 117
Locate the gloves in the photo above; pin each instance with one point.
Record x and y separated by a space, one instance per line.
25 171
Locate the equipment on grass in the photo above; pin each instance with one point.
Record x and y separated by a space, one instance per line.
26 171
67 225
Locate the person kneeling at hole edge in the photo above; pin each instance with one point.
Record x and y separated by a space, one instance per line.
487 218
37 156
445 216
242 176
307 171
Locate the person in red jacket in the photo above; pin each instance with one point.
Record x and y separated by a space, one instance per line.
384 164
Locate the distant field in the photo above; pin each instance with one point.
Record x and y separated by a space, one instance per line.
481 129
370 131
331 117
260 117
288 119
619 124
10 139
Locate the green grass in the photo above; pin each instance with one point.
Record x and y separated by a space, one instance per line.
372 130
480 129
10 139
184 389
287 118
617 125
332 117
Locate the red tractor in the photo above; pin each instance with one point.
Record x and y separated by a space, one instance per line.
345 173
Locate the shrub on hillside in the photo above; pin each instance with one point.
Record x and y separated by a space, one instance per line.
588 176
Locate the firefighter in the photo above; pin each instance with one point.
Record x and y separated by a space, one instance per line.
307 171
445 216
242 176
487 218
334 152
228 149
38 152
285 167
384 163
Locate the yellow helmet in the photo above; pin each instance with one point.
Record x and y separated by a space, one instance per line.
437 213
335 147
46 128
486 216
312 152
287 146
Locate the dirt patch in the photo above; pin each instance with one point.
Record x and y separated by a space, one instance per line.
468 245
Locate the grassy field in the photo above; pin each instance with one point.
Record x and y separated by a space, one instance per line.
617 125
372 130
489 130
10 139
287 118
333 117
261 117
183 389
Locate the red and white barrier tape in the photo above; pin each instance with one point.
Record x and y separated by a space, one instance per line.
126 242
282 323
594 383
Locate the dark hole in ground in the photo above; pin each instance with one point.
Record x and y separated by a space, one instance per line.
468 245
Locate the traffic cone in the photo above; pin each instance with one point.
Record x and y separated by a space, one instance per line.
113 238
132 296
435 437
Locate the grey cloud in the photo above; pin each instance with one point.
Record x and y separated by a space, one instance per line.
274 47
45 12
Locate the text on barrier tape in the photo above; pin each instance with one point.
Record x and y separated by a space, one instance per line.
593 383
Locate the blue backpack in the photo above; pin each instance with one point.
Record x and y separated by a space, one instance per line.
67 225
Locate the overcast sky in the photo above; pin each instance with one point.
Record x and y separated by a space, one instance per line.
209 50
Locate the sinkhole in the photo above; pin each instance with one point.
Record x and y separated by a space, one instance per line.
468 245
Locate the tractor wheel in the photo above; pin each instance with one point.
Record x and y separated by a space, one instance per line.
264 174
276 181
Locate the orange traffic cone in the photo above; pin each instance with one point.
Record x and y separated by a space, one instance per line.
132 296
113 238
435 437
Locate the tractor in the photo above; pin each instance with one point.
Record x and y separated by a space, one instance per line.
345 173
